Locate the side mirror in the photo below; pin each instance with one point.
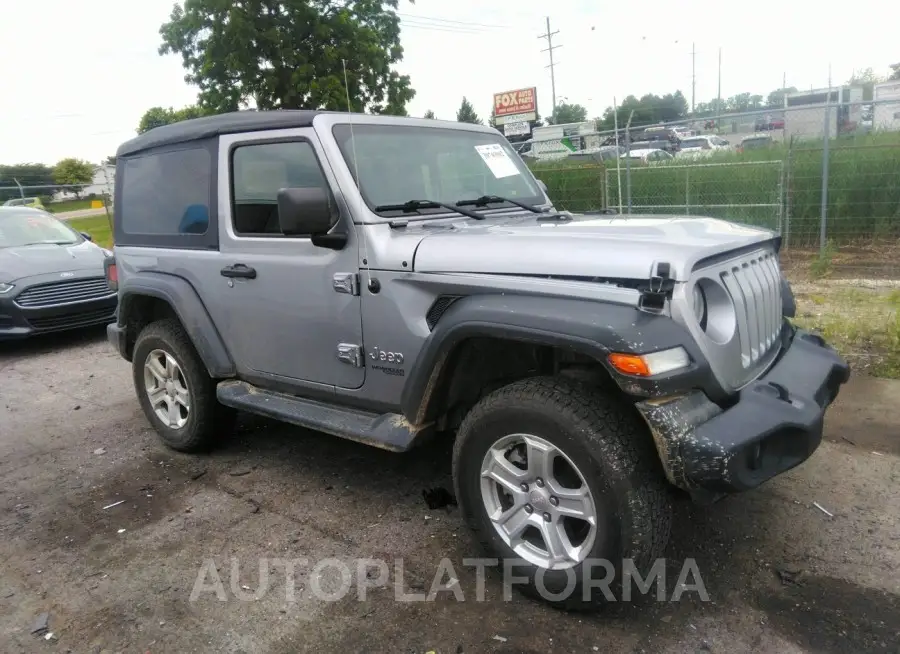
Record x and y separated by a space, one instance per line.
304 211
86 236
307 212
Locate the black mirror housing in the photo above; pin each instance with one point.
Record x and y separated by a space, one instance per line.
304 212
87 237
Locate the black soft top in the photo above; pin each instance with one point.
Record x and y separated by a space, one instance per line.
210 126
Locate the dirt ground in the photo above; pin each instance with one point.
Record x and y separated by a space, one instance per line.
782 576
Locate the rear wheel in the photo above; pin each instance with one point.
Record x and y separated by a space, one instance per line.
174 389
563 485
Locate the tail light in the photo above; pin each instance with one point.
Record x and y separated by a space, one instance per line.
111 272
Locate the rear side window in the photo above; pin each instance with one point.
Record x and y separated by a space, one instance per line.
167 193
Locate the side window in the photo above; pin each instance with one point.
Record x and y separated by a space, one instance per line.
258 172
167 193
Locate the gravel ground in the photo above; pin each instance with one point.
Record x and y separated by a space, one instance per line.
781 575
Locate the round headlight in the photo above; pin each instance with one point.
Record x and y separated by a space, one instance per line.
700 306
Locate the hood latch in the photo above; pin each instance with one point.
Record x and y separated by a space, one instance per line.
658 288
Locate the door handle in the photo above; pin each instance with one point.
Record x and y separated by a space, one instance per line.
239 270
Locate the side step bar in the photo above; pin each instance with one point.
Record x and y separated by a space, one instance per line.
389 431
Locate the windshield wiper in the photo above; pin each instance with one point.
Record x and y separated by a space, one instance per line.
413 206
485 200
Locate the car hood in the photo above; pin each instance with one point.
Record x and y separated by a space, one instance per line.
30 260
586 246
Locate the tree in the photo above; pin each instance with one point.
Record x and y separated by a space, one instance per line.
110 160
867 78
159 116
650 109
776 97
26 174
429 114
895 72
73 172
466 113
567 113
288 54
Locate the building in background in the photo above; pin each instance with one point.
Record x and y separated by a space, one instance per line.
886 109
805 111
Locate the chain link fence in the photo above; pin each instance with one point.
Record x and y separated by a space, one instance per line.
35 188
824 172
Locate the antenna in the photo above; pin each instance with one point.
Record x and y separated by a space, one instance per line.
361 234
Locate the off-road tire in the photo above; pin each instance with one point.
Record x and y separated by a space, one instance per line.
613 450
207 420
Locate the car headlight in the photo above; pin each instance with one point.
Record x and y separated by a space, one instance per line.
700 306
5 288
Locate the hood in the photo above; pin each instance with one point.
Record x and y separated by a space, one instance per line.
31 260
587 246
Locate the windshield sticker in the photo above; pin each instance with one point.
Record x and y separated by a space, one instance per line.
497 160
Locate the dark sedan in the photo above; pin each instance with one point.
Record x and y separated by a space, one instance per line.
51 276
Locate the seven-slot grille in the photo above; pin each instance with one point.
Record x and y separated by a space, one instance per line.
755 287
64 292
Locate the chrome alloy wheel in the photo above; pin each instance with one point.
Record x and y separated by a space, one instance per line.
167 389
538 501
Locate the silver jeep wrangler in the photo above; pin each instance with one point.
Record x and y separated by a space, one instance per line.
386 279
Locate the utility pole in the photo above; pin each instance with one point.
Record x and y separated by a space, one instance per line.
693 75
719 93
550 48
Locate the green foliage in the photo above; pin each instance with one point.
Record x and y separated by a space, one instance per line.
27 174
287 54
429 114
159 116
648 110
72 171
863 198
97 226
776 97
466 113
567 113
110 160
821 265
895 72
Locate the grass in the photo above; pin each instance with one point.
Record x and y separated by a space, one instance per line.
96 226
863 193
68 205
862 323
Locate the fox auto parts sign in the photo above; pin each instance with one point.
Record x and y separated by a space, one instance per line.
516 106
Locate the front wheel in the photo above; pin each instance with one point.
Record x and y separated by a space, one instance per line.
562 484
174 389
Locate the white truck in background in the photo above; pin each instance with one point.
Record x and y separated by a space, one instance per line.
559 141
886 112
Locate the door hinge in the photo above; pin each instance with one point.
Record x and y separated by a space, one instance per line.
352 354
346 283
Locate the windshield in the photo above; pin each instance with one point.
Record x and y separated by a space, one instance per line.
19 228
400 163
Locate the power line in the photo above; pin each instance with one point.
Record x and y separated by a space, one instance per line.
447 20
441 28
550 48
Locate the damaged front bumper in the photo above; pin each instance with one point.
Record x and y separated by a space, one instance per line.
774 425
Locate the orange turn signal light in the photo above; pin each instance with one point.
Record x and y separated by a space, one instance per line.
630 364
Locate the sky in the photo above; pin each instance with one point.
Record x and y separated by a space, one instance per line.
90 69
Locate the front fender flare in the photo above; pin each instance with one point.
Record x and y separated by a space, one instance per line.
586 326
184 300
